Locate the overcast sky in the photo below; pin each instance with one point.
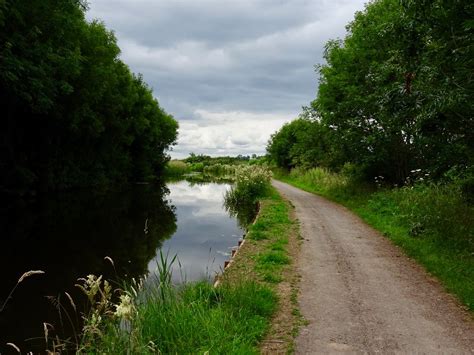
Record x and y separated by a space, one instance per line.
230 72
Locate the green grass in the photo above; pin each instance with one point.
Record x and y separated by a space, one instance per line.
266 257
194 318
430 222
273 226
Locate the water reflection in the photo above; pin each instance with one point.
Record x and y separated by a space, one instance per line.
68 237
205 232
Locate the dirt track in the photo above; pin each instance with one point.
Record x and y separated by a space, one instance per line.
361 294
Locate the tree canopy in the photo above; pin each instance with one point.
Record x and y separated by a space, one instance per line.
395 95
73 114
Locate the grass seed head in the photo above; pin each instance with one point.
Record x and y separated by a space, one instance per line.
30 273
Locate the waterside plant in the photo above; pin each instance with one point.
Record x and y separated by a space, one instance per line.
251 183
153 315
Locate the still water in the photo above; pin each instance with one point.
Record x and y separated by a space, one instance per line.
68 235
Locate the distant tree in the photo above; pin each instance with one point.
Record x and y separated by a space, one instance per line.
301 142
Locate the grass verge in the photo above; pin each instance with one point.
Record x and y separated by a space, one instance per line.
431 223
268 257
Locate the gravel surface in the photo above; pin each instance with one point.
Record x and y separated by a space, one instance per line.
361 294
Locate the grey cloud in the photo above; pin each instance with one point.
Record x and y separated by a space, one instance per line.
250 57
162 23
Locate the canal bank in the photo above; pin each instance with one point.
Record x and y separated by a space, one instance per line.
269 257
75 234
253 310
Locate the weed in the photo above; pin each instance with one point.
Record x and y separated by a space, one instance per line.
20 280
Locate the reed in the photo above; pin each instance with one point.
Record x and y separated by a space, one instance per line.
156 316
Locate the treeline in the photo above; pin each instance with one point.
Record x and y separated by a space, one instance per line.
395 96
208 160
72 112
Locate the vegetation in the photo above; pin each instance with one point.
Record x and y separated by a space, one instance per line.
394 96
217 165
390 133
267 257
251 183
431 222
74 114
158 317
226 160
176 168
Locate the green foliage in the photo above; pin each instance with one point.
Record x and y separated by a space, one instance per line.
220 169
251 183
434 211
197 167
161 318
302 142
176 168
74 114
225 160
394 96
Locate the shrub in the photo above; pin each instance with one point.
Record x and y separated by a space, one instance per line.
251 183
437 211
176 168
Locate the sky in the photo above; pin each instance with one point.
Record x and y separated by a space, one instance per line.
230 72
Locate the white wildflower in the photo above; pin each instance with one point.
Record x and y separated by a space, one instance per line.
125 309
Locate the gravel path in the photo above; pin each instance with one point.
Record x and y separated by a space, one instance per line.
360 294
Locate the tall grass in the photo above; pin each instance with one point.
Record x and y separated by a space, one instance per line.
176 168
251 183
159 317
431 221
220 169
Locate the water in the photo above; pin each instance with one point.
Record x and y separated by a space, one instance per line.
205 232
68 236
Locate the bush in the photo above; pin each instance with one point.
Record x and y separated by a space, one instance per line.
197 167
176 168
251 183
437 211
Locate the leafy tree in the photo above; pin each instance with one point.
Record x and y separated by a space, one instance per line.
302 142
394 96
74 114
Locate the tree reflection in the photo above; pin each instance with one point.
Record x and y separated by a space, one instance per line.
68 236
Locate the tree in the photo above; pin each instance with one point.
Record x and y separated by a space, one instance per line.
395 95
74 114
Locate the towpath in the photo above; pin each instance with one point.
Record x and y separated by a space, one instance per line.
360 294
